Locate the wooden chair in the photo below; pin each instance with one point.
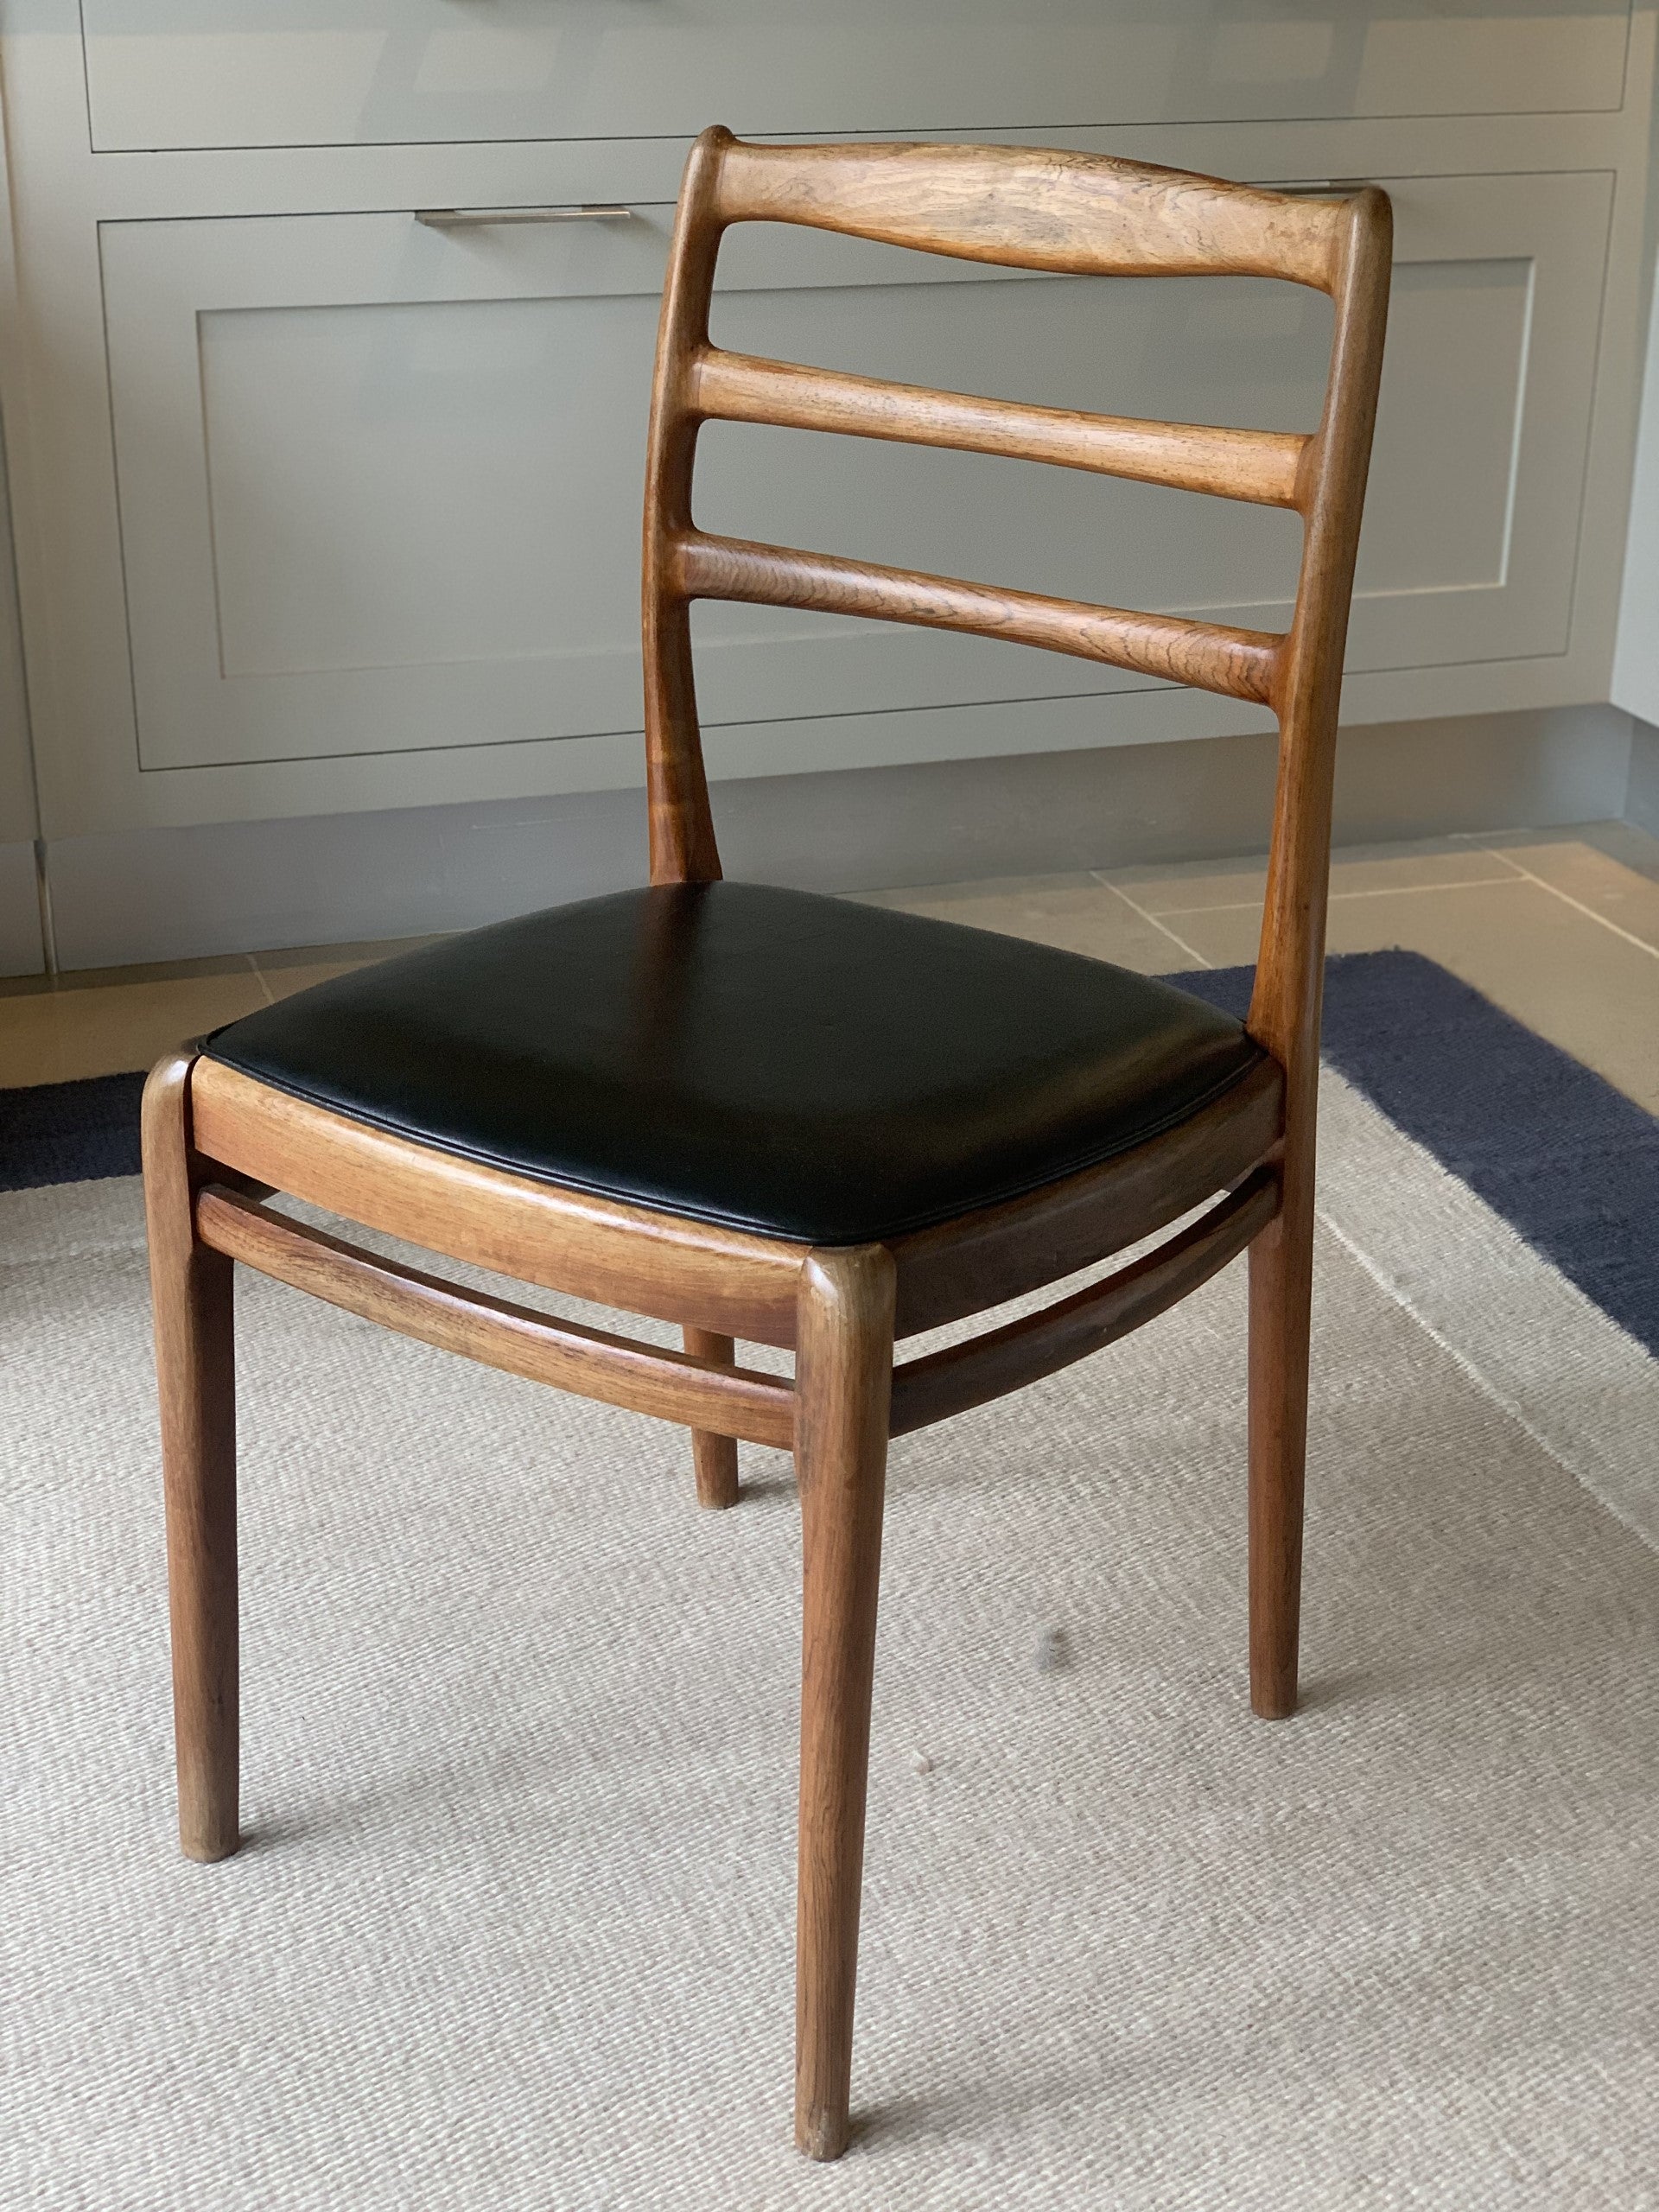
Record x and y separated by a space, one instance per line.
757 1113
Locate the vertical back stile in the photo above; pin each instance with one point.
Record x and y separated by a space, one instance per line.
1285 1006
682 847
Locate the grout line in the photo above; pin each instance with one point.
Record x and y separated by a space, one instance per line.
1566 899
1190 950
1383 891
1510 864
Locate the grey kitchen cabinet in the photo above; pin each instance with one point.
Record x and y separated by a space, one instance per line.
379 483
163 73
320 508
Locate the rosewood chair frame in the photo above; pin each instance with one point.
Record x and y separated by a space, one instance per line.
217 1143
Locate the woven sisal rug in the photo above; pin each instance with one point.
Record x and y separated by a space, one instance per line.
513 1927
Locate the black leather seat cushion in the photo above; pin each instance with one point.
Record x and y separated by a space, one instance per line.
770 1059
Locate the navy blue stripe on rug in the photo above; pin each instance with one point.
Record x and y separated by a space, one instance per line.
1568 1160
1570 1163
69 1132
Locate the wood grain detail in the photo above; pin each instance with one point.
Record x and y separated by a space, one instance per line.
1263 465
984 1258
1239 664
1033 207
191 1304
630 1257
714 1458
681 824
845 1380
1286 1001
543 1348
949 1381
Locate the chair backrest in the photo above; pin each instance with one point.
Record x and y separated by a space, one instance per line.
1074 213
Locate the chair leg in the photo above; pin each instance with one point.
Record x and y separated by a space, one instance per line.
714 1457
844 1384
1282 1273
191 1292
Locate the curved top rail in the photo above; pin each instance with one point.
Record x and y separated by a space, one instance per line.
1080 214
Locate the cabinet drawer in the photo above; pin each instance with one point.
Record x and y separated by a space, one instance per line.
381 484
233 72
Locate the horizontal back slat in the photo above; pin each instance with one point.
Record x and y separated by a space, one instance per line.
1239 664
1081 215
1261 466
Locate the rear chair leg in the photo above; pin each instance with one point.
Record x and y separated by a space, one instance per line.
844 1386
715 1458
1282 1274
190 1289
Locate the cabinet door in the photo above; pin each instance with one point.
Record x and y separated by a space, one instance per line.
241 72
380 485
18 814
1636 659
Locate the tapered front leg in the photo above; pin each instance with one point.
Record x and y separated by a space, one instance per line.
1282 1278
714 1457
191 1292
844 1381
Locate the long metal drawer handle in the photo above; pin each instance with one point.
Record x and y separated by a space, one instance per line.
1314 187
472 218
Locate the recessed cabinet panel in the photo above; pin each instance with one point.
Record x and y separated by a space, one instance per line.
240 72
411 485
381 484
